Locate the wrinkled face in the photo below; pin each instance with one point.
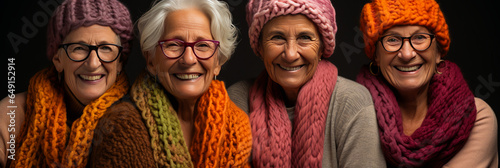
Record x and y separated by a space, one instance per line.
408 69
90 78
290 47
186 77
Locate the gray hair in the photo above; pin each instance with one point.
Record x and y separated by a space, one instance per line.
151 24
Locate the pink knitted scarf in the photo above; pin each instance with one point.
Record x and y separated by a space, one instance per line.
445 129
276 143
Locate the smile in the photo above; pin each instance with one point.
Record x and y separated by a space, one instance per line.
290 68
408 69
187 76
91 77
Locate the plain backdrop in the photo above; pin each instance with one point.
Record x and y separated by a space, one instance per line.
473 27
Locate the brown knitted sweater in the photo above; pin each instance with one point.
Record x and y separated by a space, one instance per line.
121 139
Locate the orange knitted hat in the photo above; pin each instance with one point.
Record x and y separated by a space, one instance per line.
380 15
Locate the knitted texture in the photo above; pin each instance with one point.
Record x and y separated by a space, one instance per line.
222 136
320 12
278 143
445 129
380 15
44 138
72 14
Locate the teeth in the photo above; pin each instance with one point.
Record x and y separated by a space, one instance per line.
408 69
91 78
290 68
187 76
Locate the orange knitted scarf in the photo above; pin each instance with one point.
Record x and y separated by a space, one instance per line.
44 140
222 136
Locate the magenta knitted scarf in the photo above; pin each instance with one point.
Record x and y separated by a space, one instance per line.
445 129
278 143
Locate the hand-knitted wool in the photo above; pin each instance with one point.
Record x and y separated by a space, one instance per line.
44 140
222 136
278 143
445 129
380 15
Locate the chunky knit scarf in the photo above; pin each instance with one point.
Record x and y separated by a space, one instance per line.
445 129
44 140
222 136
278 143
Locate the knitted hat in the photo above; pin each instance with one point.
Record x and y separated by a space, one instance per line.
72 14
320 12
380 15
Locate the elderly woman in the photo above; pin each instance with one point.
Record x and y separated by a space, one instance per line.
302 113
189 116
427 115
88 43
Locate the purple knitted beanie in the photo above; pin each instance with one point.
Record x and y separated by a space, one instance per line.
320 12
72 14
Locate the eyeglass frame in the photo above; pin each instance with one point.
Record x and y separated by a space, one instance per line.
91 47
185 45
409 40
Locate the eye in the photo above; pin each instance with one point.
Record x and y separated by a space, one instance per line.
305 37
392 40
277 37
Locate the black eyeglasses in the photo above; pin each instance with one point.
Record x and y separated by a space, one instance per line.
80 51
419 42
202 49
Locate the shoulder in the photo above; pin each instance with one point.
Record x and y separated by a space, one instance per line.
238 93
121 139
350 93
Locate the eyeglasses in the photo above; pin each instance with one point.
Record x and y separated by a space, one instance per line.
79 51
419 42
202 49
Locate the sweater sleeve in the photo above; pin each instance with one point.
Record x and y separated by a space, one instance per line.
355 128
238 93
481 148
11 121
121 139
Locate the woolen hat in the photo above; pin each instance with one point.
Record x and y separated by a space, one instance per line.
72 14
380 15
320 12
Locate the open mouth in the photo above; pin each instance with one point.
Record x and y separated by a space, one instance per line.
91 77
408 68
187 76
290 68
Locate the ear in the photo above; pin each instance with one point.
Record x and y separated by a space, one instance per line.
149 62
376 59
119 67
58 64
438 58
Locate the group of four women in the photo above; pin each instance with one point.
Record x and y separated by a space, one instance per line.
409 108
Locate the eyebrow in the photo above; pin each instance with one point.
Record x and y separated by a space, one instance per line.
397 33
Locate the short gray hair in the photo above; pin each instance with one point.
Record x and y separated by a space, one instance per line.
151 24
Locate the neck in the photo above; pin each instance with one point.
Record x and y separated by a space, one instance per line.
74 108
185 110
291 97
413 106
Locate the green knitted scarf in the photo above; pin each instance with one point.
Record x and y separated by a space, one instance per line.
161 119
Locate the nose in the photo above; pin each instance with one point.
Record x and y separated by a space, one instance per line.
407 52
291 52
188 57
93 61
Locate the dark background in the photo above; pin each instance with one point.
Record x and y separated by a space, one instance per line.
473 29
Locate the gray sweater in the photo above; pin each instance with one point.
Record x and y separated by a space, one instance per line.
351 132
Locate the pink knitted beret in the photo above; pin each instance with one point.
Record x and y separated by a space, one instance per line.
320 12
72 14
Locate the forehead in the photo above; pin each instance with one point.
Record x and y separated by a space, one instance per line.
406 30
92 34
297 21
187 22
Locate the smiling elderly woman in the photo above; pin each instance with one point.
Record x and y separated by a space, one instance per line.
189 116
88 43
302 113
427 115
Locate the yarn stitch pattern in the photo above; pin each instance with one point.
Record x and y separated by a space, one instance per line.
278 143
444 130
222 136
44 138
